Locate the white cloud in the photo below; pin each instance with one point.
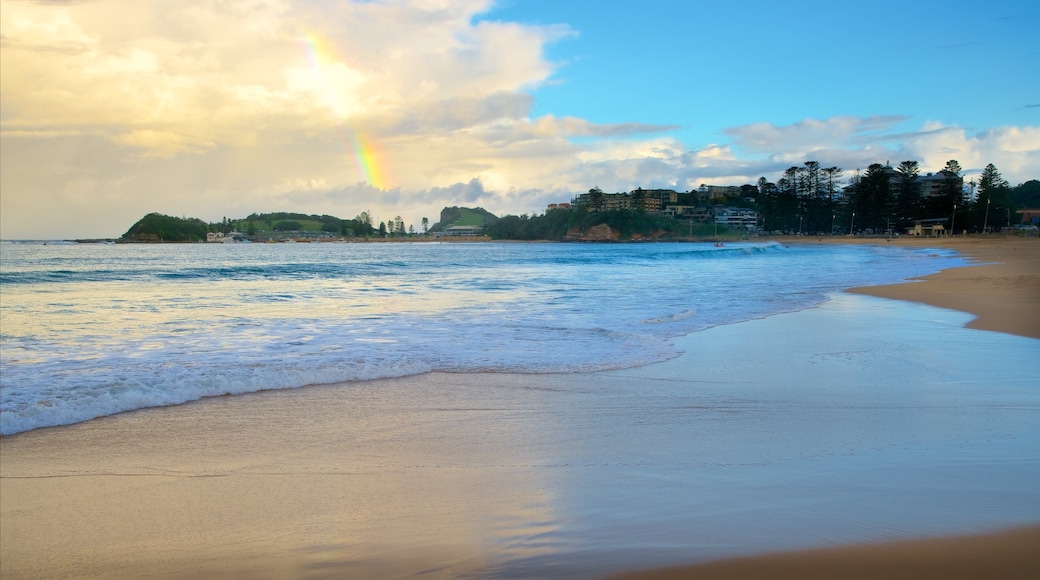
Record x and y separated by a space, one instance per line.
227 107
811 134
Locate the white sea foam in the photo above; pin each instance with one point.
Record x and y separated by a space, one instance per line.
94 330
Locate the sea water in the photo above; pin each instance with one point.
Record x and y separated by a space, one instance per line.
88 330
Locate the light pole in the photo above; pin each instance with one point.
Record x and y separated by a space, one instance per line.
985 222
953 222
852 226
832 223
799 225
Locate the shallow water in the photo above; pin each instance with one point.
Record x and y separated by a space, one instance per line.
860 420
89 329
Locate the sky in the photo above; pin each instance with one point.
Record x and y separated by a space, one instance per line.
112 109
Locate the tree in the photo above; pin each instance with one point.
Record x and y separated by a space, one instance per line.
817 210
811 178
951 195
833 174
873 198
596 198
908 193
288 226
785 207
158 227
953 184
994 191
1026 194
382 229
637 198
991 181
425 226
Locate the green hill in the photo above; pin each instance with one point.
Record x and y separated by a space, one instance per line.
288 222
464 216
156 227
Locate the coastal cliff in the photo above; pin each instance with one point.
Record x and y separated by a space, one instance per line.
597 233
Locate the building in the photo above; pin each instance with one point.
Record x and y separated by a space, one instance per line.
712 192
463 231
932 184
1029 215
688 212
737 218
649 200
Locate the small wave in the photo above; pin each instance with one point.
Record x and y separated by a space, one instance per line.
362 313
677 317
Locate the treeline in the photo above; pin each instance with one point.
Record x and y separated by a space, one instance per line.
555 223
298 222
156 227
811 198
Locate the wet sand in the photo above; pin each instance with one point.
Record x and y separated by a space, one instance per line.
1003 290
1004 555
861 421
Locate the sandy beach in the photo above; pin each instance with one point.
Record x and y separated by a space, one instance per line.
865 436
1002 290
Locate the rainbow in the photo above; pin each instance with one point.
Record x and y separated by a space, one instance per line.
319 50
366 156
359 147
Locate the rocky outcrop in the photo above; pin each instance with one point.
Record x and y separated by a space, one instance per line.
600 233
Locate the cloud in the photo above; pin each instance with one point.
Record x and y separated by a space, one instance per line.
399 107
212 71
812 134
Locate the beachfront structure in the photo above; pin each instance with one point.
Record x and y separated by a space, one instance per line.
463 231
222 238
928 228
1029 216
739 218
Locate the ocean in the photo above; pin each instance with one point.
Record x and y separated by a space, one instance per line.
89 330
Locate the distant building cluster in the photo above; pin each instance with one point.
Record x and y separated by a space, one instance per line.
666 202
730 206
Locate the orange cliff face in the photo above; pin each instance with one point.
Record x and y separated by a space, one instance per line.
599 233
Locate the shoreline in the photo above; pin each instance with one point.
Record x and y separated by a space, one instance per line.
1003 555
482 475
1001 287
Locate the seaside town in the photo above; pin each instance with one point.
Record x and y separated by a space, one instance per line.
808 200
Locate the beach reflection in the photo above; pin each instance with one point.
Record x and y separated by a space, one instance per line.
841 428
439 473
